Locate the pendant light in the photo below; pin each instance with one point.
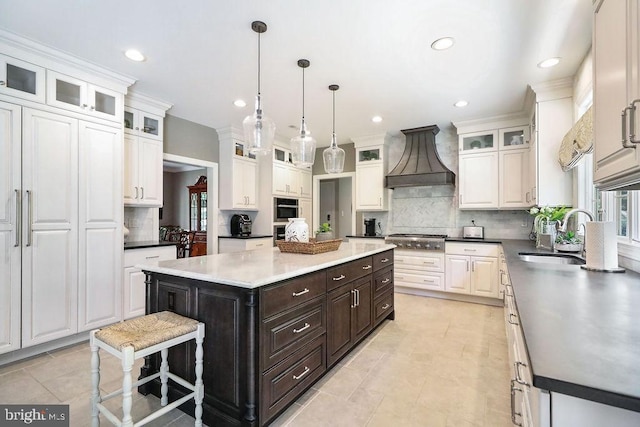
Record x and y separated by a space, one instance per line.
303 146
334 155
259 130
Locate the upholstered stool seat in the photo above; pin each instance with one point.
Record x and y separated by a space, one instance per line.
137 338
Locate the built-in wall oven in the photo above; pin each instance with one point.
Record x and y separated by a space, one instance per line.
285 209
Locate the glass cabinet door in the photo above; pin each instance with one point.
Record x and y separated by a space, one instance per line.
369 155
66 92
105 102
21 79
514 138
478 141
140 123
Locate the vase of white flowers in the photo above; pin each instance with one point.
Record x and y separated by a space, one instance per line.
546 223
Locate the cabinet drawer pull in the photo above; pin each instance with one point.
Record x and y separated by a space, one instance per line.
340 277
383 260
510 316
514 414
366 267
259 244
429 281
305 372
429 262
385 281
469 250
519 380
297 294
305 327
152 257
386 306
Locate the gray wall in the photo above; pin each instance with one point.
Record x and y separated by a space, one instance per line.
349 159
190 139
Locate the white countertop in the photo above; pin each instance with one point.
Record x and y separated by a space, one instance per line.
259 267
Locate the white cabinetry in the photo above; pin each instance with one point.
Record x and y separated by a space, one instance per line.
616 80
133 301
60 195
493 171
472 269
77 95
371 169
22 79
551 120
286 180
100 225
237 245
306 183
478 179
143 151
418 269
304 210
238 173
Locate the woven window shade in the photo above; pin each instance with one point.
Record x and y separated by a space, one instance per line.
577 142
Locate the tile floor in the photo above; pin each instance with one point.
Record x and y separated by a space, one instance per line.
440 363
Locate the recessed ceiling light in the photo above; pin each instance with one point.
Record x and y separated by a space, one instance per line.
239 103
376 119
134 55
461 103
549 62
443 43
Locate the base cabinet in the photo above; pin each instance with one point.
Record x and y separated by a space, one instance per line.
134 289
270 344
472 269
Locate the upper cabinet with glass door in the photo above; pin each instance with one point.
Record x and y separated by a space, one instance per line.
514 138
22 79
478 141
141 123
78 95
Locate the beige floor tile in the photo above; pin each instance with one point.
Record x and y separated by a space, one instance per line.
440 363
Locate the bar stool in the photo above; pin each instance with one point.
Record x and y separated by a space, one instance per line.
137 338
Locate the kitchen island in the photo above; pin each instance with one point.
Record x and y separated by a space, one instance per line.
275 322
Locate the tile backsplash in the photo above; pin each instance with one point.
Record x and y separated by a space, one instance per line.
142 224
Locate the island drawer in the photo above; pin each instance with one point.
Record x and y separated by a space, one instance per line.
382 260
284 334
383 281
382 306
291 293
349 271
285 382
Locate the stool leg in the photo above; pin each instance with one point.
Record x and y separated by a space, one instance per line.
199 396
127 367
164 378
95 380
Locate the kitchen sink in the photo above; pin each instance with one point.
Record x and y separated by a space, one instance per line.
551 258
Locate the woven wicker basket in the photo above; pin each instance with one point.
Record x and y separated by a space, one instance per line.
310 248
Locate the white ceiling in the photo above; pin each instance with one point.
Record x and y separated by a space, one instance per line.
202 55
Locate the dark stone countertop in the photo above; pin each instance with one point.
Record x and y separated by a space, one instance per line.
362 236
252 236
147 244
581 328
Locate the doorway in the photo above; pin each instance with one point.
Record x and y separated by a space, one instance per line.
333 199
178 173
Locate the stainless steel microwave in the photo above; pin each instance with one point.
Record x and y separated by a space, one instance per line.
285 209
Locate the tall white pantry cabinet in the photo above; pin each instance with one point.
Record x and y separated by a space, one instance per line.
61 209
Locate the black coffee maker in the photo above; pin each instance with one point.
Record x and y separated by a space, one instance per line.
240 225
369 226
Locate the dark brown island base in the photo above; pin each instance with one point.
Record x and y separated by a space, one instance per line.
275 322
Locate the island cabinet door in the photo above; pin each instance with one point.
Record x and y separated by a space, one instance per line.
362 314
340 302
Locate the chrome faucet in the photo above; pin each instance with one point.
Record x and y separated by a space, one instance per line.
565 220
563 226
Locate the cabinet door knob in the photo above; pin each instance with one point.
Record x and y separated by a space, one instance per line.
84 105
92 108
2 83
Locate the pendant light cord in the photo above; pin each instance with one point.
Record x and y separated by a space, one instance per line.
333 140
258 64
303 94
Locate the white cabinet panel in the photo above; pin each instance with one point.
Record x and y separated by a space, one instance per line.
457 273
100 226
50 217
514 178
10 239
478 178
306 183
484 272
370 191
142 172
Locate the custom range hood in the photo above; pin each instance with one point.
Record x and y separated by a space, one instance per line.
420 164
